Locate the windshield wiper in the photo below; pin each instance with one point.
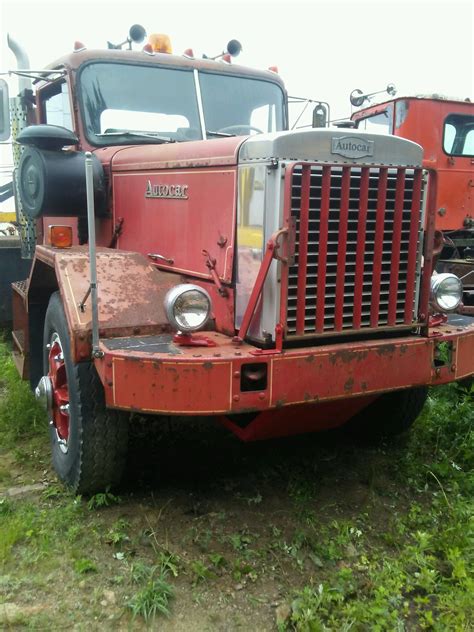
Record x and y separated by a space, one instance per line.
221 134
142 135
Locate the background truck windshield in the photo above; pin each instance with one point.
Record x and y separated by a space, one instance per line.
124 98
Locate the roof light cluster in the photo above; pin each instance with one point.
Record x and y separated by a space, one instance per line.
161 43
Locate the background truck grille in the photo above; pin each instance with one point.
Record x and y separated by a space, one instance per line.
358 248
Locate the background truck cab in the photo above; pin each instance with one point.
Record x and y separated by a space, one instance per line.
444 127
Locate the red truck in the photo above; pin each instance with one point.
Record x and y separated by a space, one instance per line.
444 127
276 281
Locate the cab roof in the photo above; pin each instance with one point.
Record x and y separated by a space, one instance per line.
73 60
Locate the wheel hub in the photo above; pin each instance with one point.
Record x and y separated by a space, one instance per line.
55 383
44 394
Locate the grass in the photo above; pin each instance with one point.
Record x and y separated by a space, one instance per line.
20 415
418 573
155 594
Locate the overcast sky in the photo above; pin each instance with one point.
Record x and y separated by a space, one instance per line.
322 48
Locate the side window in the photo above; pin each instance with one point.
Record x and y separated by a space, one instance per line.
458 135
57 108
380 123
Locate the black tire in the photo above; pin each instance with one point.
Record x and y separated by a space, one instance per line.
390 415
98 436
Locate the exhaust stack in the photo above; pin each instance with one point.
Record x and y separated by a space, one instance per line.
22 62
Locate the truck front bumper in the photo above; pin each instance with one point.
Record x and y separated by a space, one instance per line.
154 375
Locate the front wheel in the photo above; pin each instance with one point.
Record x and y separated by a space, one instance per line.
389 415
88 441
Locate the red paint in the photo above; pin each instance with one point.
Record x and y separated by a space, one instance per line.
378 247
414 228
207 381
303 249
322 257
294 420
58 377
359 273
428 252
396 240
341 252
422 121
152 225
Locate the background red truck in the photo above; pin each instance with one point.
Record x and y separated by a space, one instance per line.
303 259
444 127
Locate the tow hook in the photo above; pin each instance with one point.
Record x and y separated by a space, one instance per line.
44 394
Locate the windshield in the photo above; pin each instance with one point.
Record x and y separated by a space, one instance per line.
380 123
145 100
237 105
126 103
458 138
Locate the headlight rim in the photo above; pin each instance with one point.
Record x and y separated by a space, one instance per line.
436 282
170 300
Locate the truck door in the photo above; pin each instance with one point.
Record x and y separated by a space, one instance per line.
456 171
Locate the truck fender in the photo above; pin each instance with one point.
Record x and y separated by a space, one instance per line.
130 297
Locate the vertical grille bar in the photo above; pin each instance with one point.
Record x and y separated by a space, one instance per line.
397 237
378 247
412 247
360 253
342 248
303 249
323 247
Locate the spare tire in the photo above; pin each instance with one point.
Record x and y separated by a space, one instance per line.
53 183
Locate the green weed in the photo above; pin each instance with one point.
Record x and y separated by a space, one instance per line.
103 499
84 565
153 599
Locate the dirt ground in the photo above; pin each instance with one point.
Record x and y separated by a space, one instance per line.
238 523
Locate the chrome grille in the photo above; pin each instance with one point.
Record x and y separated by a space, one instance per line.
358 248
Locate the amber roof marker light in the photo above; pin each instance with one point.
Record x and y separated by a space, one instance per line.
160 43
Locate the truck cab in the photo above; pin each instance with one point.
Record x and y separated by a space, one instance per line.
444 127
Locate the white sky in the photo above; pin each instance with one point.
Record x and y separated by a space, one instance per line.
323 48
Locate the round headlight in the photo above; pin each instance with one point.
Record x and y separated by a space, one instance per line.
188 307
446 291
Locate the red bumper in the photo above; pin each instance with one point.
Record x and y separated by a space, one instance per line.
152 374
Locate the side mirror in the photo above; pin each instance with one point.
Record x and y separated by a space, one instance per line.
4 111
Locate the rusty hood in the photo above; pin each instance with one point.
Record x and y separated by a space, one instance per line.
178 200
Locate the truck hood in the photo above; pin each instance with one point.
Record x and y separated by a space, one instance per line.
210 153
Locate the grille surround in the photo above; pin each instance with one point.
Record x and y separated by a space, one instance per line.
373 218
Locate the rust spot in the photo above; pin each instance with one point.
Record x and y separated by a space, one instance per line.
347 356
307 397
363 386
403 348
279 403
207 365
349 385
385 350
309 359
